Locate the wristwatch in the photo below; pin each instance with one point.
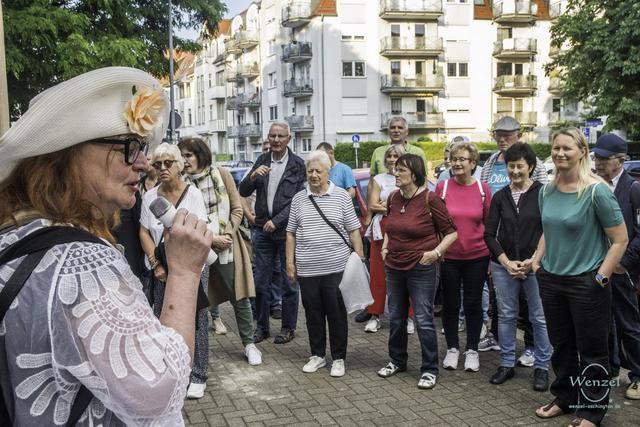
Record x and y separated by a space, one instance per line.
602 280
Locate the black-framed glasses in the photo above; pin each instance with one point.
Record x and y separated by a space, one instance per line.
166 163
133 146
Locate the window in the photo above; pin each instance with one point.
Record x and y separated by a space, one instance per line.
396 105
458 69
504 105
352 37
272 80
504 69
395 30
395 67
273 113
190 117
272 47
256 117
306 145
210 81
220 78
479 2
353 69
210 111
556 104
462 1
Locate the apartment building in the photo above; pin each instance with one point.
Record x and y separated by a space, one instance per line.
337 68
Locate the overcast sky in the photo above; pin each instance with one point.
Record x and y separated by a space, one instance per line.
236 6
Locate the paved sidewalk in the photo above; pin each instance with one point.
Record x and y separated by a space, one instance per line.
279 393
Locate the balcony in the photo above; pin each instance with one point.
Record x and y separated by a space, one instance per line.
411 10
416 85
232 103
556 85
217 92
231 47
248 100
297 88
558 117
418 120
300 123
293 53
246 39
248 71
232 75
526 118
557 8
516 85
250 131
555 50
412 47
515 12
217 125
296 14
520 48
233 132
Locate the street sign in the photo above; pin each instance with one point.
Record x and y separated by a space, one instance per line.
593 123
356 145
586 132
355 138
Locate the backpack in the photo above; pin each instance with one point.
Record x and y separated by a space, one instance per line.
446 183
35 245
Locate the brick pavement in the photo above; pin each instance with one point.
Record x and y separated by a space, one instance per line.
279 393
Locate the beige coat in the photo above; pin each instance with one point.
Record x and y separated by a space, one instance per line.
243 277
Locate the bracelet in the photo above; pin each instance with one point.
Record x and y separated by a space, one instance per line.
384 249
438 252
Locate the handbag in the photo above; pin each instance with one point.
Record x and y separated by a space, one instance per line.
354 286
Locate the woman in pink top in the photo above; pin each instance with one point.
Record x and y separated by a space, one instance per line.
467 259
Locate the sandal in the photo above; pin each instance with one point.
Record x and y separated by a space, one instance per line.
577 422
547 408
427 381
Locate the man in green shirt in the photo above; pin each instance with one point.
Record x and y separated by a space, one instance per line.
398 132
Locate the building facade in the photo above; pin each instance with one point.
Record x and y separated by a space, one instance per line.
337 68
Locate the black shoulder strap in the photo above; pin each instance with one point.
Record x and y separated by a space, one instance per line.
315 205
35 245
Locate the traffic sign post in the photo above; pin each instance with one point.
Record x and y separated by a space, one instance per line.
355 140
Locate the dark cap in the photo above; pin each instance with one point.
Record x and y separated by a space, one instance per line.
609 145
507 123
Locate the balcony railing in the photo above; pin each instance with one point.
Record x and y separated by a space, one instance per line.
417 120
233 132
231 47
296 14
563 116
515 11
300 123
217 92
251 131
296 88
557 8
556 85
516 85
232 103
414 47
246 39
296 52
217 125
526 118
416 10
515 48
249 71
249 100
421 83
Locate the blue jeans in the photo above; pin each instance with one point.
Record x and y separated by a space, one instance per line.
419 284
266 249
507 296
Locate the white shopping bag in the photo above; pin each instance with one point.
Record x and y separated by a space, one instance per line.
354 286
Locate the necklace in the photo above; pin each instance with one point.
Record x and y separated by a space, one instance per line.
403 210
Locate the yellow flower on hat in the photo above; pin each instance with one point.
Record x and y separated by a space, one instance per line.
143 110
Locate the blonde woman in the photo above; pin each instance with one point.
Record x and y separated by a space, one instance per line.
584 238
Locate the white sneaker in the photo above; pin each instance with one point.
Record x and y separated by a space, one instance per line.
373 325
527 358
314 363
471 361
411 327
483 331
337 368
196 391
218 327
254 356
451 359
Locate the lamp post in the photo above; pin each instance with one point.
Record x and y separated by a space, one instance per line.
172 120
4 95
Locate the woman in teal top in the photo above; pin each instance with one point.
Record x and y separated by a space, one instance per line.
584 237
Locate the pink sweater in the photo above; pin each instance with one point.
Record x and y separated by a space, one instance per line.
465 206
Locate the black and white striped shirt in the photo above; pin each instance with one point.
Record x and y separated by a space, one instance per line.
319 249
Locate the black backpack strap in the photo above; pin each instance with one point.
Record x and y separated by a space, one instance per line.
35 245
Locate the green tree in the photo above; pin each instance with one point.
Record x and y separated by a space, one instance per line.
602 64
48 41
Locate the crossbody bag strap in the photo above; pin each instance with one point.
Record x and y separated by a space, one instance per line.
315 205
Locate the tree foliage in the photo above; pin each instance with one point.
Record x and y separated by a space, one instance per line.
48 41
601 66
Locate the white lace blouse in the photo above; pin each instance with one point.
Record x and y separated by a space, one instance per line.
82 318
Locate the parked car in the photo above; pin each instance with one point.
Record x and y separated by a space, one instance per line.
238 173
633 168
236 164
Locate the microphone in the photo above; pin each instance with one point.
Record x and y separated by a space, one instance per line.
164 211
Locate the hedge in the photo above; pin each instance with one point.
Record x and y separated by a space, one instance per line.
433 151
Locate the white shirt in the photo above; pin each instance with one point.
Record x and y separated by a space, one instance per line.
277 170
614 181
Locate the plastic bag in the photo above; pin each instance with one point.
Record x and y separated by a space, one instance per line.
354 286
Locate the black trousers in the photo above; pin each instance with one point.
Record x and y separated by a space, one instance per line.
471 275
322 302
578 313
624 341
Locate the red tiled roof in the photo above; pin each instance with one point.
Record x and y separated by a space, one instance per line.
325 7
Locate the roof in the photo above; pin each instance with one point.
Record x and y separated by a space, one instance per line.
325 7
224 27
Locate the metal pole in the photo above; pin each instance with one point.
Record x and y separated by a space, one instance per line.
356 157
172 123
4 94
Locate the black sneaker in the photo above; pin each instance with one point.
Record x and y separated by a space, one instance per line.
363 316
540 379
502 374
260 336
276 313
284 337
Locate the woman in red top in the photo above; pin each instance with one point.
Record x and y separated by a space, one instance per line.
467 261
410 250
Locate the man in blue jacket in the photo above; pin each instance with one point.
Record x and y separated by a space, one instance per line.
276 177
610 153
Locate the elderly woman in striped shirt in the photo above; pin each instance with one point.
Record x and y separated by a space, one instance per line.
317 256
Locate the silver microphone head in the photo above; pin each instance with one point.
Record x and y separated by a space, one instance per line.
159 207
